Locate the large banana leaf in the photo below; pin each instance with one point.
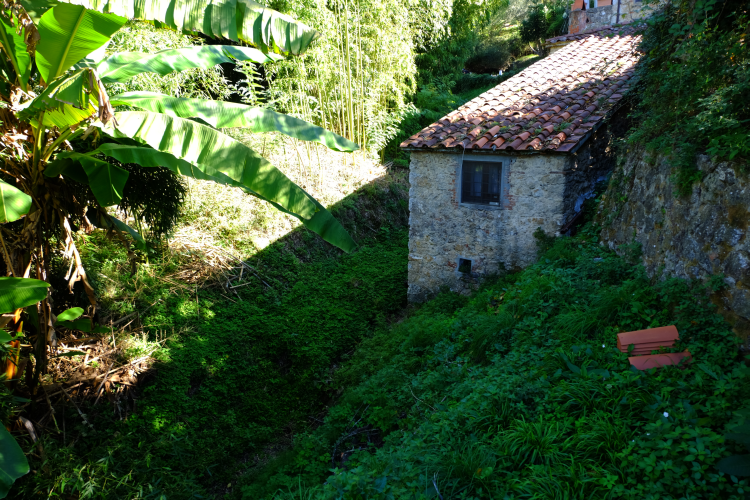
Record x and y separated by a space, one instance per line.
65 102
123 66
72 89
221 114
15 49
236 20
14 203
107 181
13 463
20 292
214 152
322 222
68 34
105 221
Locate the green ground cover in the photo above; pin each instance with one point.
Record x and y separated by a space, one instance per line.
238 373
520 392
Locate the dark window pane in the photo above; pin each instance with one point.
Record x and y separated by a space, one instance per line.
480 182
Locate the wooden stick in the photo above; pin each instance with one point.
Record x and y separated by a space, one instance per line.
99 394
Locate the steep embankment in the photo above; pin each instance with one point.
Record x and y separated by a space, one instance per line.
239 370
699 235
520 392
681 189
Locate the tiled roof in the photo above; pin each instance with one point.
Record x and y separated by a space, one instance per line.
550 106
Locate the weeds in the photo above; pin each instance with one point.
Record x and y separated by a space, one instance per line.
520 392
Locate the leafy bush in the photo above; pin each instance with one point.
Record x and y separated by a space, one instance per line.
545 20
520 392
694 83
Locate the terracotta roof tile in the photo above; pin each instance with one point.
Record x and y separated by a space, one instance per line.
578 84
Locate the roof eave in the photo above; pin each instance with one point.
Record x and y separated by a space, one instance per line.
490 151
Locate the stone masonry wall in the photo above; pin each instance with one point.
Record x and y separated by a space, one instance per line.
543 191
692 237
606 15
441 230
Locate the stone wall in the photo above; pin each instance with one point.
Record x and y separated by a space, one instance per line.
606 15
441 230
591 164
690 237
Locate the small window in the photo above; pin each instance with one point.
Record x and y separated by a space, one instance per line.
464 266
480 182
592 4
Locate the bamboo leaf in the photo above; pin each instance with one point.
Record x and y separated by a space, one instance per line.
221 114
14 203
15 49
20 292
123 66
68 34
238 20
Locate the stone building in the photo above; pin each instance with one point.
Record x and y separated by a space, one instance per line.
587 15
523 155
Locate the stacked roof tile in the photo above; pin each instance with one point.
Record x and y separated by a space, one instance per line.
549 107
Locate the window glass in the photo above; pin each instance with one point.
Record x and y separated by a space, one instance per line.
480 182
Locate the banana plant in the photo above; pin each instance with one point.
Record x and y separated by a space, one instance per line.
52 90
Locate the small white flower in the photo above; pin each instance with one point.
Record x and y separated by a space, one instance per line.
666 414
648 434
604 345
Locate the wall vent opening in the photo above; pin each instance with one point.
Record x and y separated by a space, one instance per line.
464 266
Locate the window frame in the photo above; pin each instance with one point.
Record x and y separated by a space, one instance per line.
505 162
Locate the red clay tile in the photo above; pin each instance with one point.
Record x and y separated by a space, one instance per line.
481 142
536 144
664 336
513 145
523 136
659 360
566 147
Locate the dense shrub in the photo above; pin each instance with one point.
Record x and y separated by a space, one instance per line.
544 20
235 372
520 392
694 84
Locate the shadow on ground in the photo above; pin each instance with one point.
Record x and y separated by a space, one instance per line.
252 368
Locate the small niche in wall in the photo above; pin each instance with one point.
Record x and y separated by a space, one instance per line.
464 266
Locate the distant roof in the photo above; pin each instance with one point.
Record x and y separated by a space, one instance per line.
578 84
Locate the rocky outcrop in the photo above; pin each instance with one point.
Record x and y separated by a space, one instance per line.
696 236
